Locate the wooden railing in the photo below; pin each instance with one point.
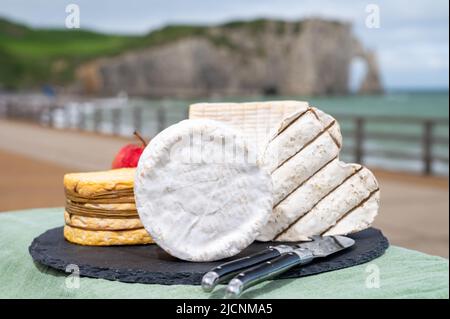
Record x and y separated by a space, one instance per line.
427 139
424 138
47 113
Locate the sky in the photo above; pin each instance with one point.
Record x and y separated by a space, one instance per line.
412 41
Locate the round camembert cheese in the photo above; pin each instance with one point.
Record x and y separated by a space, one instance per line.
200 192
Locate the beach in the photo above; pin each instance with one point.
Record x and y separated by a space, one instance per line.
33 160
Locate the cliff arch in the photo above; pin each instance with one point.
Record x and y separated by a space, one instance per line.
371 83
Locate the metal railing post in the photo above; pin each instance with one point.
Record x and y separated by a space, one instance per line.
427 146
359 140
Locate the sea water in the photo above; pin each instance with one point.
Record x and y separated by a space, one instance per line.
411 104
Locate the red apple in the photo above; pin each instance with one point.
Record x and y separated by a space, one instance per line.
128 155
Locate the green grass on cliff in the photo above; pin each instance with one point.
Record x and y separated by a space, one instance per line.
30 57
33 57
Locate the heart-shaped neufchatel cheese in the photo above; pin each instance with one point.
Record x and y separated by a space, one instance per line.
199 191
314 192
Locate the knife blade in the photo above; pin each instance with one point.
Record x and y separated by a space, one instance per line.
319 247
227 270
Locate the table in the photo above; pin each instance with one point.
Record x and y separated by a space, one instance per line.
402 273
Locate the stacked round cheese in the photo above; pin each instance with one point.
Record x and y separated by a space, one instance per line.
100 209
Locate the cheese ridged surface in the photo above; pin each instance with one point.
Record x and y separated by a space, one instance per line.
293 139
328 121
314 192
197 200
305 197
358 219
333 207
303 165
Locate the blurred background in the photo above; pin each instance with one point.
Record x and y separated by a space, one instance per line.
78 77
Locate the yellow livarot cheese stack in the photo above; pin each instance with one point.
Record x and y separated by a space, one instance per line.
100 209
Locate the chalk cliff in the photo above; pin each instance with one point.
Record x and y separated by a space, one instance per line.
309 57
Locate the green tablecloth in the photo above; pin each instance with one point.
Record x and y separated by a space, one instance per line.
403 273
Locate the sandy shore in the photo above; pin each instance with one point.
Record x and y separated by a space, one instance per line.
414 211
29 183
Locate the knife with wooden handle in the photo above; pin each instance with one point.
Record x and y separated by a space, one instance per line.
304 253
227 270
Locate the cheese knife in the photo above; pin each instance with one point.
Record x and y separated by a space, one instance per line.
229 269
303 253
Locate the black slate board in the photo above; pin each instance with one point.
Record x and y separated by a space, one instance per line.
151 265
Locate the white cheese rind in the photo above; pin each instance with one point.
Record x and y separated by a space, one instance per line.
198 201
293 125
359 219
255 120
291 140
310 184
333 207
326 120
304 198
303 165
